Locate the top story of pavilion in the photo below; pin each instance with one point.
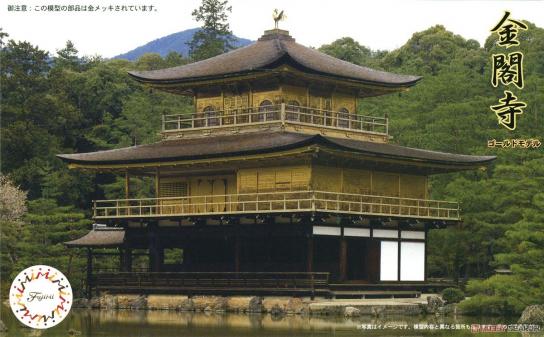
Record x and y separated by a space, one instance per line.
276 83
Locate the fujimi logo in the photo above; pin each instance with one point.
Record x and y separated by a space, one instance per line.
40 297
36 295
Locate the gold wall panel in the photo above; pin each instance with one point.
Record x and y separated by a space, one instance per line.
202 103
247 181
412 186
342 100
272 96
266 180
356 181
319 99
326 178
294 93
276 179
385 183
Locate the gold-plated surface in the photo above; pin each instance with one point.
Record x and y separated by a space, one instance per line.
277 202
304 119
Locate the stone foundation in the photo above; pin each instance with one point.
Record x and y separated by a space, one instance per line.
275 306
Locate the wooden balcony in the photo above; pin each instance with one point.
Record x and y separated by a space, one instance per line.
214 283
277 203
281 116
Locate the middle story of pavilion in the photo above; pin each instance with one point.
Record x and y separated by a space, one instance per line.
255 201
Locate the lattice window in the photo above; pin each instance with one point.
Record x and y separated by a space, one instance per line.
173 189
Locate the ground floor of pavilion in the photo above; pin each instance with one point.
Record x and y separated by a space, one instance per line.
269 258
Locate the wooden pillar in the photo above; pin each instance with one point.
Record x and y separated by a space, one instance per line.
398 252
127 185
121 259
343 258
426 230
250 97
187 255
269 261
237 248
154 247
157 183
126 259
161 258
89 271
310 253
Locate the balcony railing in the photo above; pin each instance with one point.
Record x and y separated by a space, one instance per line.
273 114
277 202
236 283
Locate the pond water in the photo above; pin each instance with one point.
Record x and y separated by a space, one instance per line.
95 323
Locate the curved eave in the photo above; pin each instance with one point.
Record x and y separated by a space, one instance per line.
290 142
108 237
266 55
72 158
428 166
195 81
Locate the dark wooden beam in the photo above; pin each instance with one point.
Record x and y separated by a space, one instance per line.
127 185
121 254
342 264
237 249
157 182
126 262
154 247
398 252
310 253
89 271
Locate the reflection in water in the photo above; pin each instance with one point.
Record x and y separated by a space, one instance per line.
125 323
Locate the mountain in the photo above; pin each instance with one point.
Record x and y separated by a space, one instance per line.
174 42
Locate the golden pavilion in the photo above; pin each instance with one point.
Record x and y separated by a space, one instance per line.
274 184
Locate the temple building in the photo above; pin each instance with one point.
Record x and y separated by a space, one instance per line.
274 184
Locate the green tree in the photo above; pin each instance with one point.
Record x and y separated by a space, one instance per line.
28 110
46 227
215 36
517 212
2 36
449 111
67 57
174 59
349 50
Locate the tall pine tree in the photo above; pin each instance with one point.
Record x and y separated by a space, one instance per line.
215 36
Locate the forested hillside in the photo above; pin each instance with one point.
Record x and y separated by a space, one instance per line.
68 103
176 42
503 207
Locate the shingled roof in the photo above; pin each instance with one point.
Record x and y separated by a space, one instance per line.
100 237
274 48
263 142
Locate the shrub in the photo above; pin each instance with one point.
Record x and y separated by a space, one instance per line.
489 305
453 295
